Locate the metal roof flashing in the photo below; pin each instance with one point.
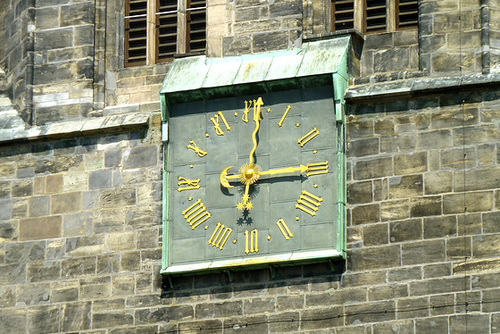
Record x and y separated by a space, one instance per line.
197 76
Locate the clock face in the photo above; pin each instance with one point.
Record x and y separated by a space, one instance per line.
252 179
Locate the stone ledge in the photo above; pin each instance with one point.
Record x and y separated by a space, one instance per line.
411 87
76 128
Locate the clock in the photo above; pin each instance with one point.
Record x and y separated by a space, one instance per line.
251 180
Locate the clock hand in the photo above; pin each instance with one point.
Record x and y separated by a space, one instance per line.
256 117
309 169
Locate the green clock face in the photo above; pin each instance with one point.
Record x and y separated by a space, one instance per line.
252 179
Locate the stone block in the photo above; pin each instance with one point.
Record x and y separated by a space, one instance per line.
434 139
363 147
68 202
268 41
54 184
6 211
358 127
140 157
405 230
477 179
113 157
130 261
40 228
77 14
22 188
370 312
44 271
112 319
374 258
54 39
123 285
13 320
388 291
423 252
83 35
475 202
460 323
486 245
76 316
24 252
384 127
286 322
120 241
100 178
395 210
404 274
39 206
364 214
405 186
47 17
259 305
210 326
321 318
8 231
490 222
432 325
425 206
437 182
374 235
438 227
76 267
64 292
359 192
284 8
373 168
410 163
378 41
394 59
34 294
118 198
169 313
438 286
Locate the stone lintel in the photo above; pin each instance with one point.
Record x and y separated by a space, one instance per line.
78 128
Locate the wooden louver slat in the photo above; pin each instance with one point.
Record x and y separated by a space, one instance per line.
376 15
135 32
342 14
197 26
167 30
407 14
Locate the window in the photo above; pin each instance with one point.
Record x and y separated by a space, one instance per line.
155 30
372 16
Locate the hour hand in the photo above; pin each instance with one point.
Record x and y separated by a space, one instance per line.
224 178
309 169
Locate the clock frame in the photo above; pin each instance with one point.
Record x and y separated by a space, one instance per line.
254 174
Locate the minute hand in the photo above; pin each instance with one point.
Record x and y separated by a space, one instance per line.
309 169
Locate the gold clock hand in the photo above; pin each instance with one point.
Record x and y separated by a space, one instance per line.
309 169
256 117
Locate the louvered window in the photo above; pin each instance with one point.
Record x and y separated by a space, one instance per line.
407 13
156 30
136 32
374 16
343 14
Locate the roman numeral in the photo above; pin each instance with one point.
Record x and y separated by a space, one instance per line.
284 115
253 242
215 121
284 229
196 214
220 236
317 168
308 203
310 135
187 184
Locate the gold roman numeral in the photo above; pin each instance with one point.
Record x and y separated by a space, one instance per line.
220 236
215 121
284 229
310 135
196 214
308 203
317 168
187 184
192 145
254 241
248 105
284 115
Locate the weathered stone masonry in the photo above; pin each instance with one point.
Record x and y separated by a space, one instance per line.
81 164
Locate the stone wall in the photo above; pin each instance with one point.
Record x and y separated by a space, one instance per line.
80 196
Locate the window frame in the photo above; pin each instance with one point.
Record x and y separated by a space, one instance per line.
359 17
152 32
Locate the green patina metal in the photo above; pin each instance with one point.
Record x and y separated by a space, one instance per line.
317 63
